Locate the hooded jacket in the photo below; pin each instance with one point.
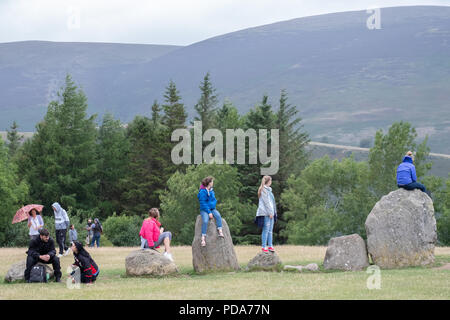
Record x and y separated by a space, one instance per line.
406 172
61 218
207 199
84 261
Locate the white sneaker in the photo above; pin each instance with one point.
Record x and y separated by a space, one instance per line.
67 252
59 255
168 256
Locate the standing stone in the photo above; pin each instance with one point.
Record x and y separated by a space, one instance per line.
268 261
401 230
17 271
218 254
148 262
346 253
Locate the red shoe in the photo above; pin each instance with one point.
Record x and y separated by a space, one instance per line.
271 249
265 250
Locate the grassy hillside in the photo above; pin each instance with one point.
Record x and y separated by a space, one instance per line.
346 80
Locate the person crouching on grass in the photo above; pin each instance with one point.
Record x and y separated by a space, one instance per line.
88 268
153 235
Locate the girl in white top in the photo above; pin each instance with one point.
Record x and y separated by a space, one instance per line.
35 223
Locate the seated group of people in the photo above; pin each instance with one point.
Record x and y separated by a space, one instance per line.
42 249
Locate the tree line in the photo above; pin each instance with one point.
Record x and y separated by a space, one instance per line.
117 172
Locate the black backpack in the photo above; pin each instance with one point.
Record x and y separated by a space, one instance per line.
38 273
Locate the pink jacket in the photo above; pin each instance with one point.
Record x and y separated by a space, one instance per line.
150 231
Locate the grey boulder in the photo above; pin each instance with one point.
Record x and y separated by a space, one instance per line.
268 261
148 262
401 230
17 270
346 253
218 254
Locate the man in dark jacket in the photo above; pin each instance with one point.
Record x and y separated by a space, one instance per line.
42 249
406 175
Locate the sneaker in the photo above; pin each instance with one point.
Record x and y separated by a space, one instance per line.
203 244
265 250
221 233
168 255
59 255
67 252
271 249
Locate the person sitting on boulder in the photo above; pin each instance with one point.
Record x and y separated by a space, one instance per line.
208 209
42 249
406 175
88 268
153 235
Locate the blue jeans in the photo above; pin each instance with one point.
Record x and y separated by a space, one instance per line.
415 185
95 239
205 219
267 232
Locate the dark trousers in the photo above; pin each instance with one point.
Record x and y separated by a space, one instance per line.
416 185
61 239
32 261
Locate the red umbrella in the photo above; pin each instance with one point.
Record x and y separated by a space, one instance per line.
23 213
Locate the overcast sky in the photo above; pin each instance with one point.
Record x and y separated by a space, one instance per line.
178 22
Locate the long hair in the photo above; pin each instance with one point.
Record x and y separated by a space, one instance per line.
264 181
81 250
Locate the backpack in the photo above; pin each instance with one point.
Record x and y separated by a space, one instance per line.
38 273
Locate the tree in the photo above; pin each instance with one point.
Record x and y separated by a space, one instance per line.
228 117
328 199
59 162
174 113
112 156
13 193
389 150
180 207
206 105
156 116
14 139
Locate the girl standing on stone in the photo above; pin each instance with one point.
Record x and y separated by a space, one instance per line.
266 214
208 209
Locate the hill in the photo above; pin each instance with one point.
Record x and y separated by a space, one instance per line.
346 80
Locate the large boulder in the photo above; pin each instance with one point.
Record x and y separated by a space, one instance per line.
218 254
401 230
17 270
268 261
346 253
148 262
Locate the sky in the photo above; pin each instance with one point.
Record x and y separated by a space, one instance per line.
173 22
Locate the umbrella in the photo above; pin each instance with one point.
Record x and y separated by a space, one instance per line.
23 213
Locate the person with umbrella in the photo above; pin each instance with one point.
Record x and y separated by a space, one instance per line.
62 223
35 223
31 213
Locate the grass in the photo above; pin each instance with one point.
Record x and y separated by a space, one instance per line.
407 283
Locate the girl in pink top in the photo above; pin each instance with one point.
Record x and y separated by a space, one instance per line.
152 235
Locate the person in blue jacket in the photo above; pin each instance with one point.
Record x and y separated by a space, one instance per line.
406 175
208 209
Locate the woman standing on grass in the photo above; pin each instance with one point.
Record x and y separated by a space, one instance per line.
35 223
153 235
208 209
266 214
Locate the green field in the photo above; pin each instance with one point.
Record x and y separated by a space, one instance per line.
432 282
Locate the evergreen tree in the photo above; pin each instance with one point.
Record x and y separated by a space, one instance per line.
228 117
60 162
206 105
156 116
174 113
14 139
112 153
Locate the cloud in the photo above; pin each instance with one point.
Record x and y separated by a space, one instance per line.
179 22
